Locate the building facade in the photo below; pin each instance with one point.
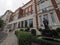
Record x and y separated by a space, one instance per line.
32 14
5 18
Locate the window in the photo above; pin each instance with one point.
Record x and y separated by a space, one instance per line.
38 2
42 1
44 10
30 23
19 25
46 16
31 9
22 24
26 23
41 21
9 26
27 11
11 18
52 17
38 8
20 16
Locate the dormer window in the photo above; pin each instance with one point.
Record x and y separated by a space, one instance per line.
11 17
20 13
29 10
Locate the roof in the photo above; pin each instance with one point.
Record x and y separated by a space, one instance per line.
26 3
6 12
23 5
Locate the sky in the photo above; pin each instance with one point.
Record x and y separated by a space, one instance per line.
11 5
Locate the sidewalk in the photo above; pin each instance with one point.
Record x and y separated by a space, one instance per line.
10 40
3 36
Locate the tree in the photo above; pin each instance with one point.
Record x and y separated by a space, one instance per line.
1 23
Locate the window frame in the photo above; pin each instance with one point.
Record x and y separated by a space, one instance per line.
31 23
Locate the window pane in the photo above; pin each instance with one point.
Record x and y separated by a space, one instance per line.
26 23
52 17
22 24
41 20
44 10
46 16
19 25
9 26
31 23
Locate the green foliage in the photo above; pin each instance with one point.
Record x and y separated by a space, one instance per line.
33 32
45 42
24 38
40 29
16 33
49 33
26 30
58 32
58 29
1 23
21 29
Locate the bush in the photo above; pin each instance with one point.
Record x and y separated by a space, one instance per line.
27 30
58 29
16 33
21 29
33 32
24 38
58 32
49 33
40 29
54 33
45 42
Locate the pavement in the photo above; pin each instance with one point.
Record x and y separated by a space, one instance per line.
10 40
3 36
